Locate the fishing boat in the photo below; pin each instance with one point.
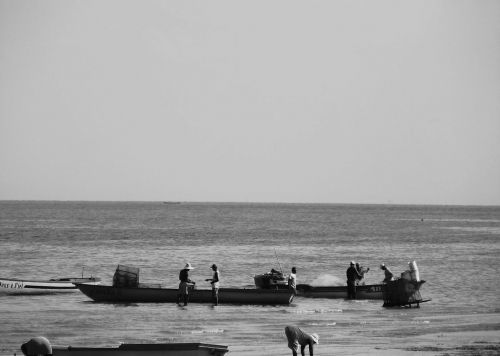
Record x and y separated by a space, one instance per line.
147 294
399 292
56 285
170 349
368 291
276 280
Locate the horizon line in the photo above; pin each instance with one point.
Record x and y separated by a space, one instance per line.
244 202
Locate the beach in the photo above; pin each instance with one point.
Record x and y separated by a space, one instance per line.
451 245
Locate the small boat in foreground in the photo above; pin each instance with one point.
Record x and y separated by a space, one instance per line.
171 349
41 346
56 285
139 294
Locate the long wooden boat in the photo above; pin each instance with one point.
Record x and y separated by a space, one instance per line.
106 293
25 286
171 349
368 291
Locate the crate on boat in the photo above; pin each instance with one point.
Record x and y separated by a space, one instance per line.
126 276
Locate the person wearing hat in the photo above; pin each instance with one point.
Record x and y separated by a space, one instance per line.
37 346
297 337
387 273
352 276
184 284
214 281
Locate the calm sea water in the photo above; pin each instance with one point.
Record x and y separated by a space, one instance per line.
456 248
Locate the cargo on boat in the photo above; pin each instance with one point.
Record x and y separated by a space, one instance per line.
403 292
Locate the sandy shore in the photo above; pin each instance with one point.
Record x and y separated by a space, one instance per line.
459 343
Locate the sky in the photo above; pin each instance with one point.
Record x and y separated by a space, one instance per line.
320 101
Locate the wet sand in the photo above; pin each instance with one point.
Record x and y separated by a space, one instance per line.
480 343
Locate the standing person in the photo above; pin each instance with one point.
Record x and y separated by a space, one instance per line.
297 337
292 280
352 275
361 270
387 273
184 284
214 281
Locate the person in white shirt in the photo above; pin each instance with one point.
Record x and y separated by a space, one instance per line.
214 281
292 280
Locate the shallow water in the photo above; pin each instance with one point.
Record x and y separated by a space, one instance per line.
456 249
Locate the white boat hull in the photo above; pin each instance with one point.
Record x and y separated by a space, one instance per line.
22 286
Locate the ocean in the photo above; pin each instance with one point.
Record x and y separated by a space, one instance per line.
456 248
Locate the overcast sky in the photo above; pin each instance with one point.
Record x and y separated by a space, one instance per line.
261 101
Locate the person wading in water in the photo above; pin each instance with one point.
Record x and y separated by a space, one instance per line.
184 284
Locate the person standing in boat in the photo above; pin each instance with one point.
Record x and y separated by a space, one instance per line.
297 337
387 273
292 280
352 276
214 281
361 270
184 284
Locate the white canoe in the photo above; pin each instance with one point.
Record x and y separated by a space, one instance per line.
25 286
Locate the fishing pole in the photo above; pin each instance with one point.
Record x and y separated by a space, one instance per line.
279 264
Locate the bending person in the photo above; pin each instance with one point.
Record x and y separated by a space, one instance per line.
297 337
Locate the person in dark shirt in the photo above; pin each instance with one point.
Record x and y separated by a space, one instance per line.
184 284
387 273
352 276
